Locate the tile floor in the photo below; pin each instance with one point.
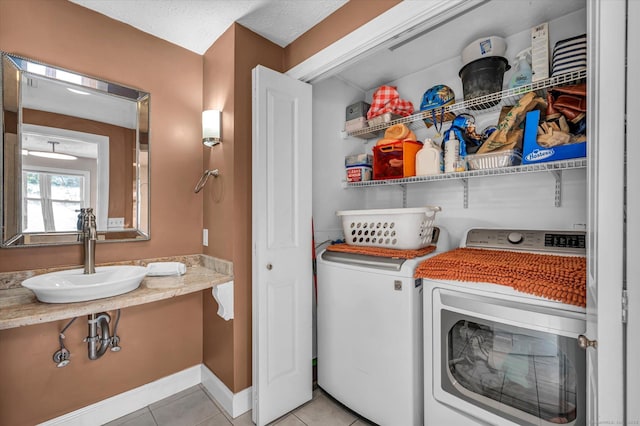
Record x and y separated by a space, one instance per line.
196 407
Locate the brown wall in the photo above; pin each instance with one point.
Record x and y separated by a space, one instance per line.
348 18
157 339
121 155
64 34
227 202
217 196
251 50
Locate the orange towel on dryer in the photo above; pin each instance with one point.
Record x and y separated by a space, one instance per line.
561 278
382 251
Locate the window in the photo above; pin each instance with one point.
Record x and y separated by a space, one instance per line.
51 199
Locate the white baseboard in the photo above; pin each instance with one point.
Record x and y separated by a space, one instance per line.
234 404
127 402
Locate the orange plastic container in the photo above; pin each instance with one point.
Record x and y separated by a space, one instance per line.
395 160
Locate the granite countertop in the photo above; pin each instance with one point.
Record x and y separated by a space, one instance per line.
19 306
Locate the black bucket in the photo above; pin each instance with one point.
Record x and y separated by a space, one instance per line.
483 77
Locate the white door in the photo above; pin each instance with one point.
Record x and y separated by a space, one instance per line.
282 271
633 214
606 138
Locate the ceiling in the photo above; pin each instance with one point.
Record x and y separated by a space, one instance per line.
430 44
197 24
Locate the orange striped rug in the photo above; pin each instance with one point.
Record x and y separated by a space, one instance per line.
561 278
382 251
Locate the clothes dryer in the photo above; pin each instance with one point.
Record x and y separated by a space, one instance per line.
498 356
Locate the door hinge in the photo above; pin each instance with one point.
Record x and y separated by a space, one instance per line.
625 306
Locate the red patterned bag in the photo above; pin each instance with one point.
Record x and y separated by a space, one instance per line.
387 99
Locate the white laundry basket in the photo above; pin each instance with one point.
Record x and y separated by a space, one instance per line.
407 229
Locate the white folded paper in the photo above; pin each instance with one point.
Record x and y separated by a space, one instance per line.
157 269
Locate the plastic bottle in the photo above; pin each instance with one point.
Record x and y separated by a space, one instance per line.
522 72
429 159
451 153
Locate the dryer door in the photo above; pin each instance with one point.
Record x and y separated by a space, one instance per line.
509 362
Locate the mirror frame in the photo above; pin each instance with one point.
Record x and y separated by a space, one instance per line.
141 214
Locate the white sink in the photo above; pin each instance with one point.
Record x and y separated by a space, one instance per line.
76 286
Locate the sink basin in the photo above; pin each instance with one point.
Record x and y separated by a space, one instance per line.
76 286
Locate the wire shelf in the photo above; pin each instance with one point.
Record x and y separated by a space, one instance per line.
574 163
485 103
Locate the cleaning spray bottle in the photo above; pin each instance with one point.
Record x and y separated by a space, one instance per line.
451 153
522 72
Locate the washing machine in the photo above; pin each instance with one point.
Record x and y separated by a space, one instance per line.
497 356
369 330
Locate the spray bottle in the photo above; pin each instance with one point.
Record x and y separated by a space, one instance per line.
451 153
522 73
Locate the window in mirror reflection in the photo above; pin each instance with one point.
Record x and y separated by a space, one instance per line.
51 199
105 128
63 75
83 154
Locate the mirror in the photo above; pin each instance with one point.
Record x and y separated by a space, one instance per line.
71 141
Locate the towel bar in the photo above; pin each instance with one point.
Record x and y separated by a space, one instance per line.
203 180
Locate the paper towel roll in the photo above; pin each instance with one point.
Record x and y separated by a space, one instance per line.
223 293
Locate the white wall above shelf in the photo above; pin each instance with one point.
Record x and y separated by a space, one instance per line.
487 103
553 167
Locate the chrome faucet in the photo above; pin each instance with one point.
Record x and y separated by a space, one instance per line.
89 235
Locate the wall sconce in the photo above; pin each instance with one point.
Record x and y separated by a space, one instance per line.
211 127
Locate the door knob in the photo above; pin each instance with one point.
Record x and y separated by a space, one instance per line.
269 266
584 342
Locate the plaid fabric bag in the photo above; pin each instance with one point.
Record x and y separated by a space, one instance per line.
387 99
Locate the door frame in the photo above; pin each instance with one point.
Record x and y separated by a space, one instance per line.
632 212
605 203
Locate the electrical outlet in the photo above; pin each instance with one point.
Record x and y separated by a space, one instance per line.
205 237
115 222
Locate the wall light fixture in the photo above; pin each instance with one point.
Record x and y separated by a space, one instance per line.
211 127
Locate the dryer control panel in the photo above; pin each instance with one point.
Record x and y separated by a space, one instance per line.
552 242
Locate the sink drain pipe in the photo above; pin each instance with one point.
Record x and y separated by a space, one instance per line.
98 341
99 338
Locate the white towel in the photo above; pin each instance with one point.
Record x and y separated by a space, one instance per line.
157 269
